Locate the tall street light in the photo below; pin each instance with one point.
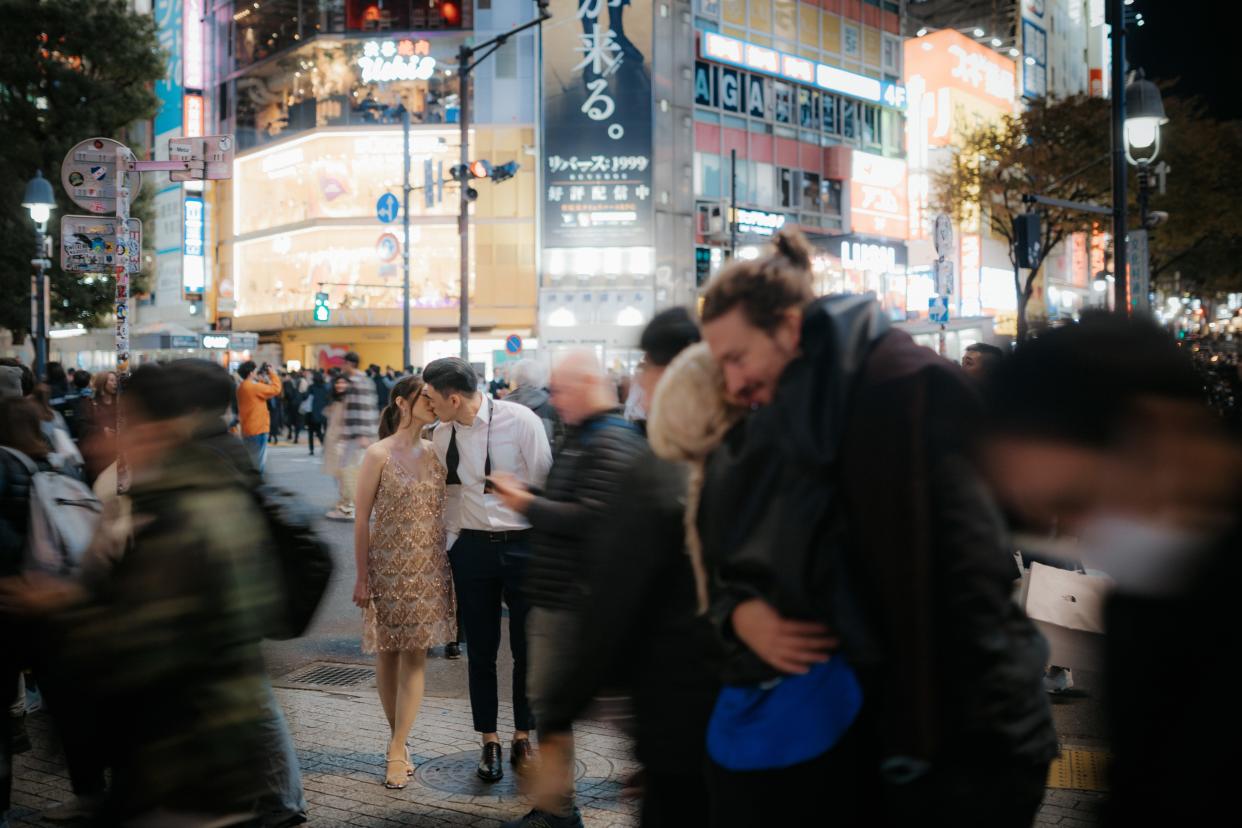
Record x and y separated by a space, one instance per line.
40 201
1144 117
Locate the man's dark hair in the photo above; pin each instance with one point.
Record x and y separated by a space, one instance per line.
986 350
208 388
246 369
28 382
669 333
81 379
1079 384
764 288
56 374
353 359
451 375
157 392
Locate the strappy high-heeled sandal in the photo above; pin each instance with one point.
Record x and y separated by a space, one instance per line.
390 782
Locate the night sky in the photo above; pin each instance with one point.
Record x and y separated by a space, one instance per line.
1196 42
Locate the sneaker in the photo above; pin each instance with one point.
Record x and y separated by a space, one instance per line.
1058 680
340 514
543 819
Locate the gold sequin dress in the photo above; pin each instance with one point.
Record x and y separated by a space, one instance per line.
411 606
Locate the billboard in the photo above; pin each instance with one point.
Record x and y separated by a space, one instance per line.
878 196
168 29
597 125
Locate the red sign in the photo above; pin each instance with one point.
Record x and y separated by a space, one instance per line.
879 196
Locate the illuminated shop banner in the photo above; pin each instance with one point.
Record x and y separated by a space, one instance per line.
809 72
758 223
168 89
192 42
193 247
394 60
597 125
879 196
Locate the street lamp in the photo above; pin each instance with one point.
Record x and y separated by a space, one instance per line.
40 201
1144 117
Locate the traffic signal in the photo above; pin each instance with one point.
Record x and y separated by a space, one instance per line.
505 171
322 311
1026 242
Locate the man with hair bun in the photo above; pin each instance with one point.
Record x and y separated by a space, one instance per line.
853 563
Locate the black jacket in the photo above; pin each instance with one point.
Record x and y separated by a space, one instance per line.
640 631
14 512
849 501
584 478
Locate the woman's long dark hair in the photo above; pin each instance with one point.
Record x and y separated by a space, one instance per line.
390 418
19 427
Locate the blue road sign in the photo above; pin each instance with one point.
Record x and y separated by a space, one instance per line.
513 344
938 309
387 208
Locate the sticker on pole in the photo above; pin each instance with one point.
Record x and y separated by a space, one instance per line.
210 157
88 244
89 175
387 208
513 344
938 309
387 247
942 237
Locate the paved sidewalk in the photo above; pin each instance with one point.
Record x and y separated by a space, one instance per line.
341 738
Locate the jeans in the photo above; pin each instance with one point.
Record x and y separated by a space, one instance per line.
257 444
284 801
484 572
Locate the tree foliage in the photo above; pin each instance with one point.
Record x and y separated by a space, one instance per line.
1054 147
69 70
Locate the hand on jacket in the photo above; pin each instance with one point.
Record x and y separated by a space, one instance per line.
511 491
789 646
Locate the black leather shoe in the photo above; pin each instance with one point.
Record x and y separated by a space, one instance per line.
491 766
522 756
452 651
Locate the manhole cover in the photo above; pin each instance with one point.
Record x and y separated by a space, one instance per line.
457 773
332 675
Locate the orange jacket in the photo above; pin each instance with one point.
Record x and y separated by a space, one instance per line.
252 397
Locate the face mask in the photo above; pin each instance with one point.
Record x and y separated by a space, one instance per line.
1142 557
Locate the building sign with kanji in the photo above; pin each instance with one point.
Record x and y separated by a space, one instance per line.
597 125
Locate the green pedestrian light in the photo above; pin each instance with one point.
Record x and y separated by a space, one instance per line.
322 311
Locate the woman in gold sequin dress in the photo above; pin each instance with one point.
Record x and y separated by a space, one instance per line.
404 585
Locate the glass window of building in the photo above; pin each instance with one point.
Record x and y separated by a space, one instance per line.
811 192
849 129
892 55
707 174
829 108
763 186
808 108
786 19
851 41
892 129
708 8
735 12
830 196
870 124
791 186
761 15
784 102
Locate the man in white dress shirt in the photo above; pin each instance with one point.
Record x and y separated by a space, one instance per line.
488 543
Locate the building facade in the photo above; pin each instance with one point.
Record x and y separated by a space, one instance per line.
313 92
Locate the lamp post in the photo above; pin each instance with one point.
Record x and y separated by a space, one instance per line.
40 201
1144 117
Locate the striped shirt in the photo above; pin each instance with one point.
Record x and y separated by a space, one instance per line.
361 415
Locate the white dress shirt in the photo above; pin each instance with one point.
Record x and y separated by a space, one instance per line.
519 445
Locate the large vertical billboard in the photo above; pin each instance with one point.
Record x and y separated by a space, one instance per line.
597 125
168 28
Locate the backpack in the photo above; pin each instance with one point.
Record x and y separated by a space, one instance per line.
64 517
302 558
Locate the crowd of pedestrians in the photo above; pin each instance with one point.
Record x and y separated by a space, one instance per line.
787 541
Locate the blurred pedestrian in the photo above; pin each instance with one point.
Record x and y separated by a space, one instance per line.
168 638
637 623
600 447
358 430
381 387
276 409
488 542
319 395
530 380
403 585
875 658
64 455
291 398
333 446
98 439
1081 415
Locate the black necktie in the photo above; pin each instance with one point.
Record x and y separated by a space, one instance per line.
452 459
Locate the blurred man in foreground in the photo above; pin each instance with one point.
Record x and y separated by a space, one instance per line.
1100 429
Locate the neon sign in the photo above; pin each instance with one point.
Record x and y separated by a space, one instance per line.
794 68
392 60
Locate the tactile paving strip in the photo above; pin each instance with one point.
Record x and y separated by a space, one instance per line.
1079 770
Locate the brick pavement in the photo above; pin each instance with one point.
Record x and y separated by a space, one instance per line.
341 739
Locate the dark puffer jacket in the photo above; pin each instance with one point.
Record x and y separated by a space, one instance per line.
586 474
